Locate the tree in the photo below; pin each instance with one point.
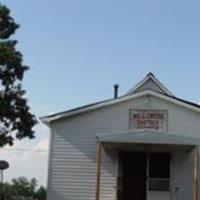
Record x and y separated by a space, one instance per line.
41 193
23 187
5 191
16 120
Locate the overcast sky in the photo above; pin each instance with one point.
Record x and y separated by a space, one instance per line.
77 50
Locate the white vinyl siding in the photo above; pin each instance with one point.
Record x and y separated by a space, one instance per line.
182 175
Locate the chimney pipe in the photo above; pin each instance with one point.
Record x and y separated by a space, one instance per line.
116 87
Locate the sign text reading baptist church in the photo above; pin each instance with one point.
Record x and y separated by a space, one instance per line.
148 119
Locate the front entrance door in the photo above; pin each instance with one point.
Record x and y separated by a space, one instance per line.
134 176
140 170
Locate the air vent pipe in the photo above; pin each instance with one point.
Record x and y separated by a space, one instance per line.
116 88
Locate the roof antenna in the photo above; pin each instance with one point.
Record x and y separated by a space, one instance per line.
116 88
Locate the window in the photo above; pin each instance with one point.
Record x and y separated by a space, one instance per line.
159 172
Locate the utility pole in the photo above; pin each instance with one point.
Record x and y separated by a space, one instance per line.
1 176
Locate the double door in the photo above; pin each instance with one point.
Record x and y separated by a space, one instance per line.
143 173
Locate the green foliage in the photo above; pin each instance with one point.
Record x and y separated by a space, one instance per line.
7 23
5 191
16 120
22 189
40 194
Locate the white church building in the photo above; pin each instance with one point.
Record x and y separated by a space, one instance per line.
143 145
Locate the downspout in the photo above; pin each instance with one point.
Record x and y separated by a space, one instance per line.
98 170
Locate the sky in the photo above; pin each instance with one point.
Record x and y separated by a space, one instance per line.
77 50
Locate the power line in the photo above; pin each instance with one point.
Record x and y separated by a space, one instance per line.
24 150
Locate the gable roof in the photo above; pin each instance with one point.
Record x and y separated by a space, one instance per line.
181 102
150 82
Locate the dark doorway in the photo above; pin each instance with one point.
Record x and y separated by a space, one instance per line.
159 172
134 171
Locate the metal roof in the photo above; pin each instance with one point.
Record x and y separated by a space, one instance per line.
82 109
148 137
